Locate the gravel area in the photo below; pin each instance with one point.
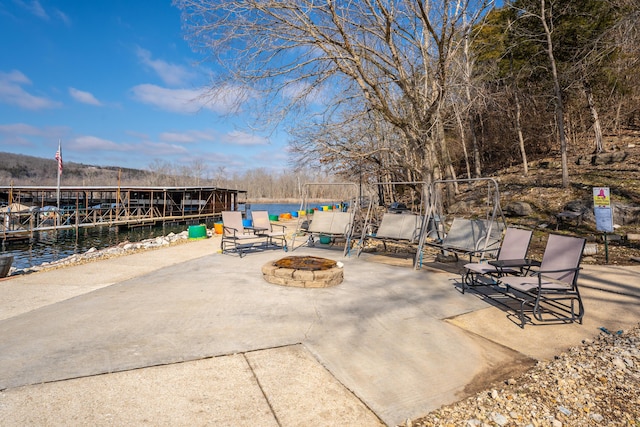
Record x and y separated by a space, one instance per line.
595 384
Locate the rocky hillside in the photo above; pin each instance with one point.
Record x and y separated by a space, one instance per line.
533 201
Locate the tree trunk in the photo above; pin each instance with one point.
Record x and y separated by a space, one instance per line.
474 141
523 152
446 165
477 162
463 139
558 98
597 128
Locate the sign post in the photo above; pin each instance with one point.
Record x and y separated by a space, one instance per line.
603 213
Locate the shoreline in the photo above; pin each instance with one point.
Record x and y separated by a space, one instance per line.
286 201
93 254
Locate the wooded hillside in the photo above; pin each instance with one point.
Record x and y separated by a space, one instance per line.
406 90
17 169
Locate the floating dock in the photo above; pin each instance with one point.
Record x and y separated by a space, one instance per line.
30 209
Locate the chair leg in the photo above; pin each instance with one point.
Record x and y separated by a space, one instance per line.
566 304
521 314
465 277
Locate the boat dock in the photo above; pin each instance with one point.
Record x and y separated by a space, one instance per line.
30 209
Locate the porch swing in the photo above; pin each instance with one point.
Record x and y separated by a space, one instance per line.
399 224
474 236
328 222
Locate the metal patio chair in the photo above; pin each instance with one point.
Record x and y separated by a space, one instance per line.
552 290
264 227
514 247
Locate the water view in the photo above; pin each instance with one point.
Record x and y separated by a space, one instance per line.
55 245
273 208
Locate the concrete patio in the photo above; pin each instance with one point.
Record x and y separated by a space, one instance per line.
184 335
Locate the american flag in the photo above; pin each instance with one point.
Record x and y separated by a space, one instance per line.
59 159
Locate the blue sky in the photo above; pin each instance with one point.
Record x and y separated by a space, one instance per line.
116 83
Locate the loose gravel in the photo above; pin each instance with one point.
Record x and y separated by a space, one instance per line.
595 384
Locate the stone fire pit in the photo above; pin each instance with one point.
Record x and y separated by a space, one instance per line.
303 272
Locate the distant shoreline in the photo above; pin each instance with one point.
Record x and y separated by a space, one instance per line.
289 201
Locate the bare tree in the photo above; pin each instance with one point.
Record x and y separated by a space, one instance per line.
545 17
158 170
197 170
392 56
518 124
538 11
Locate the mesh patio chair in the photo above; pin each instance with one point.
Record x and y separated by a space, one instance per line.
263 227
515 246
552 291
235 237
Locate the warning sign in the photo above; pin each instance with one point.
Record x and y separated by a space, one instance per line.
602 209
601 197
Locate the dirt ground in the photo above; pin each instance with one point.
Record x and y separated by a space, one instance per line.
542 189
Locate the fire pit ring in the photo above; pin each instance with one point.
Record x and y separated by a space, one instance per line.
303 272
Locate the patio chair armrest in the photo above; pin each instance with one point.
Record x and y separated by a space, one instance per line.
545 272
480 251
542 275
233 230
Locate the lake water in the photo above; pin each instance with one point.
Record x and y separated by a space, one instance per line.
280 208
54 245
274 208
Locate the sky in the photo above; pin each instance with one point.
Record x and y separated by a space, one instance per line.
116 84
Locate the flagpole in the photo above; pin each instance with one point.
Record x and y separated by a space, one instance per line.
59 159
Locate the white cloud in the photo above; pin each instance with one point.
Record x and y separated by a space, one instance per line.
137 134
89 143
183 101
25 135
15 141
34 7
83 97
206 135
14 76
181 138
21 129
189 136
12 93
235 137
63 17
171 74
243 138
93 143
163 149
